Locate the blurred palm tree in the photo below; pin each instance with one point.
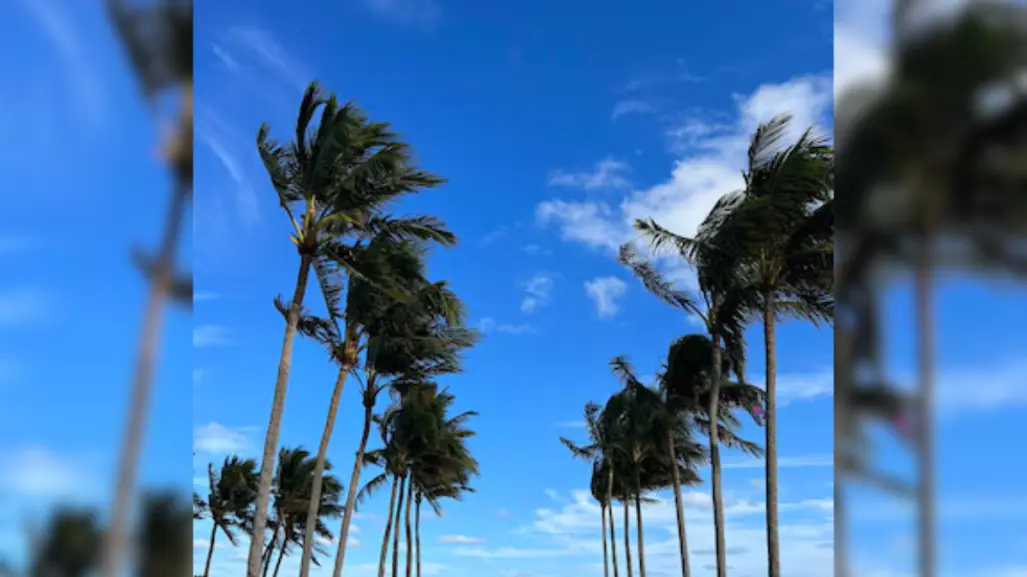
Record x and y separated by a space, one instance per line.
229 503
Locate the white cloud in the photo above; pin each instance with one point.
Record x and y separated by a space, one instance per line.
539 289
799 461
217 438
604 292
35 471
712 156
630 107
461 539
211 336
608 173
489 325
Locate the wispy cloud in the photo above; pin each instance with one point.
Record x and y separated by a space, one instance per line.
535 250
539 292
495 235
630 107
225 144
211 336
462 539
205 296
217 438
799 461
604 292
608 173
36 471
489 325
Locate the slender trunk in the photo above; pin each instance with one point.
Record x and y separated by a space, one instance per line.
841 558
627 539
319 467
410 541
388 528
210 550
351 499
606 554
718 503
267 464
613 533
265 559
925 352
638 526
770 417
142 384
395 534
417 533
281 555
679 505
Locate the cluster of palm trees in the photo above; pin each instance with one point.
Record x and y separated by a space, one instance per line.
383 323
762 254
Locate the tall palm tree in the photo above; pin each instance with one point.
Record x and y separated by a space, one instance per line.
597 451
724 304
229 504
406 342
387 267
69 546
334 182
784 228
293 489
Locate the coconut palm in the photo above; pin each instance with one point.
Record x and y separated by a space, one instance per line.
724 304
69 546
293 487
786 234
596 452
333 182
405 341
229 504
387 267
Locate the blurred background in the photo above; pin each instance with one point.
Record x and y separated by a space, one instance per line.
930 374
95 245
930 125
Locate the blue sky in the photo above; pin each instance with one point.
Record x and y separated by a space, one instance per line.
556 125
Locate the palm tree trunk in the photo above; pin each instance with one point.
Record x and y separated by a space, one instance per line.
265 560
267 464
319 467
410 541
281 555
679 505
606 554
770 418
718 499
638 527
388 528
351 499
395 535
613 534
142 384
417 533
627 539
210 550
925 352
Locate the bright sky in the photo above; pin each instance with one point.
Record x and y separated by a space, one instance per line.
557 125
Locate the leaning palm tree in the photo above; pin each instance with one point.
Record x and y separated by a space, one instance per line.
333 182
406 341
725 301
387 267
229 504
165 536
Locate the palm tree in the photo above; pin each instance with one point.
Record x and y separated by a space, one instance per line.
293 489
387 267
724 304
784 229
406 342
229 503
597 452
69 546
334 183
